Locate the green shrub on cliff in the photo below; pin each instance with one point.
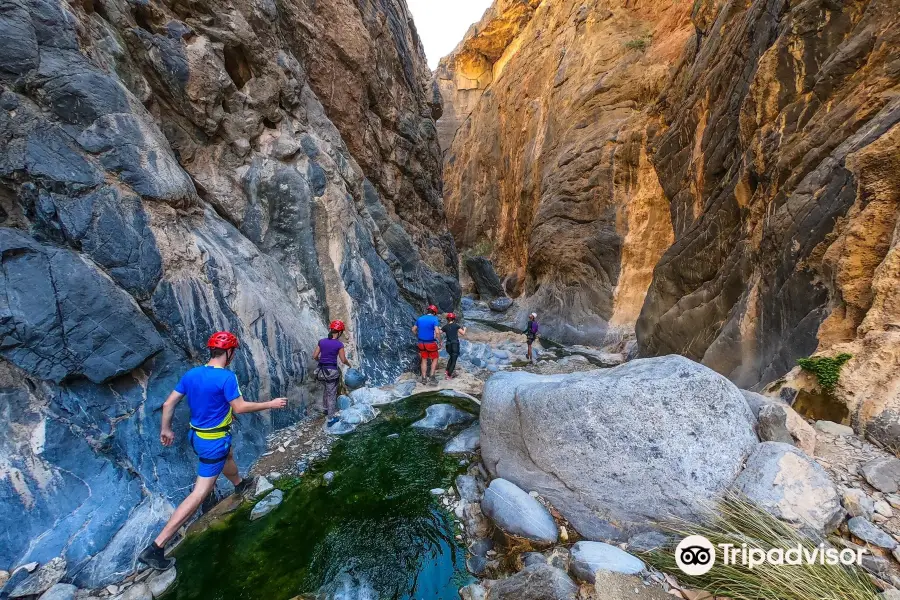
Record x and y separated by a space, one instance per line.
826 369
639 44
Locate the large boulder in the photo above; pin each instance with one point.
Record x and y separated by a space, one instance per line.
778 422
501 304
515 512
482 272
616 448
791 486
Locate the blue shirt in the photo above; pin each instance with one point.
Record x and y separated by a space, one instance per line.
209 391
426 325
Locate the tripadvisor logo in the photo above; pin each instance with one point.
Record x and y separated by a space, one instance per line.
695 555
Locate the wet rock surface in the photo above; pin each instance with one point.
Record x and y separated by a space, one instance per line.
515 512
167 171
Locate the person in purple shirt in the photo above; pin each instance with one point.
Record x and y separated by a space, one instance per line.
329 351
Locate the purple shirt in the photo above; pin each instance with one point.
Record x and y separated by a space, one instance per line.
328 352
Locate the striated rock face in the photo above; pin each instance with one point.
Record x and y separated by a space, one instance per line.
776 148
544 135
168 169
729 183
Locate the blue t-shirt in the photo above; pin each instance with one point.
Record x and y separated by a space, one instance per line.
209 391
426 325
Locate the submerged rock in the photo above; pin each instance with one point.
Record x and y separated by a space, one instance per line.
469 440
60 591
514 511
267 505
442 416
630 445
791 486
590 557
159 583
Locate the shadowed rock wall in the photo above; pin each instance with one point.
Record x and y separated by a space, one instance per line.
168 169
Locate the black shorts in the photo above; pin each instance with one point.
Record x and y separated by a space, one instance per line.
453 348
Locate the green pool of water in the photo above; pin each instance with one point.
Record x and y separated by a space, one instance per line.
375 533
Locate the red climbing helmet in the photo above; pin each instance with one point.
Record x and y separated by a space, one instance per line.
451 316
433 309
337 325
223 340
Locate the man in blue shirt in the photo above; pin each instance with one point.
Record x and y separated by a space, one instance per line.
214 398
428 329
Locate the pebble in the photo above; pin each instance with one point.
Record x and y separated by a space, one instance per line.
833 428
437 492
160 583
883 508
4 577
328 477
274 475
267 505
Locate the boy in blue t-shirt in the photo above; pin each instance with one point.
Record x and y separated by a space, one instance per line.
428 329
214 398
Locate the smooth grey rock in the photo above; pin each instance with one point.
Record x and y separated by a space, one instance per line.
536 582
328 477
358 414
514 511
404 389
757 401
473 591
266 505
469 440
858 504
630 445
834 429
60 591
41 580
791 486
501 304
560 557
344 402
372 396
481 547
883 473
590 557
871 534
159 583
263 486
469 488
482 272
354 379
442 416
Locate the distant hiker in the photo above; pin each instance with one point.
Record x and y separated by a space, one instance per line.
452 330
328 352
531 331
428 329
214 398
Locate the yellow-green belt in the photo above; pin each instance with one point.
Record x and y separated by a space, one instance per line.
217 432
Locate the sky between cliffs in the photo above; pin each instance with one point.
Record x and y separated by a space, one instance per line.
443 23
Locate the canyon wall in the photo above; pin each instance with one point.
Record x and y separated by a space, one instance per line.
547 108
738 167
169 168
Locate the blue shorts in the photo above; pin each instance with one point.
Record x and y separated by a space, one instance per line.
212 454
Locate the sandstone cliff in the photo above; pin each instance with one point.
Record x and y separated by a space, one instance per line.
171 168
743 157
544 133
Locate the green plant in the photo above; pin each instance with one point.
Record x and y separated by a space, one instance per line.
639 44
737 521
484 247
826 369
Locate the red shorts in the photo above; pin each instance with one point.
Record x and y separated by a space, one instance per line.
428 350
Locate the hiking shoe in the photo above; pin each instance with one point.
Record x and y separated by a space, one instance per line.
332 421
423 380
244 486
209 503
432 380
154 557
